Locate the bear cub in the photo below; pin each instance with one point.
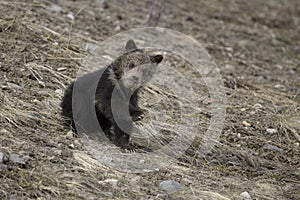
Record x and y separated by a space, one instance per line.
92 100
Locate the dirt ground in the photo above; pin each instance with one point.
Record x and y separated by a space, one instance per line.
256 45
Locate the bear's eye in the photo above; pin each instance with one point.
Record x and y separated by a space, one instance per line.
131 65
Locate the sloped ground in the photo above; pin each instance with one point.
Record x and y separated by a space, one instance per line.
256 46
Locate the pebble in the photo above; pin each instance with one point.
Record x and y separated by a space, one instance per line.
245 195
77 143
70 16
118 28
229 67
229 49
243 43
280 87
59 91
69 134
3 131
245 123
273 148
54 8
272 130
16 159
110 181
252 112
1 157
13 86
170 186
3 167
243 109
13 197
58 152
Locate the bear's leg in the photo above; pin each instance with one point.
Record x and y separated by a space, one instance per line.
121 137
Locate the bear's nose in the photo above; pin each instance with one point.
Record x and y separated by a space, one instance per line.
135 79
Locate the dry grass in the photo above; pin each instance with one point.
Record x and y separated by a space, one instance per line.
41 52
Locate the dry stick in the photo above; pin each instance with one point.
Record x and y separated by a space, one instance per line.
57 74
9 3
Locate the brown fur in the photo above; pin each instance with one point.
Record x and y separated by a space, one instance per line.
87 101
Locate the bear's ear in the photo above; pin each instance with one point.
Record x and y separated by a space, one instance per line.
130 45
157 58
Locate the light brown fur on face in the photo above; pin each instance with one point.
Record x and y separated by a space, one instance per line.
138 57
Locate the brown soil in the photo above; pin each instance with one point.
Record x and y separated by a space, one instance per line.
256 45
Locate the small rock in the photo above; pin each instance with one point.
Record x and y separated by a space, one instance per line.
171 186
187 180
36 102
273 148
1 157
118 28
70 16
252 112
243 109
59 91
69 134
245 123
229 67
72 146
13 86
16 159
272 130
58 152
54 8
110 181
229 49
77 143
243 43
245 195
42 83
280 87
3 167
3 131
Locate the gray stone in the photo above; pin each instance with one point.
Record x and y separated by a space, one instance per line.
171 186
1 157
54 8
16 159
245 195
272 130
273 148
14 86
